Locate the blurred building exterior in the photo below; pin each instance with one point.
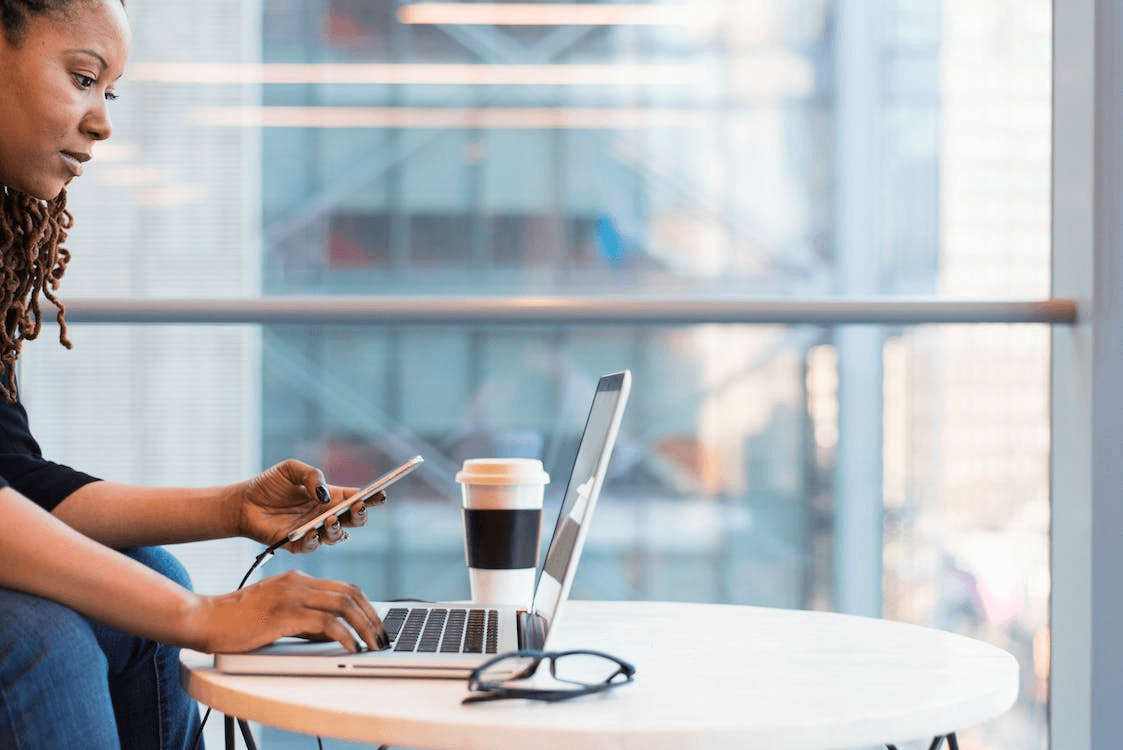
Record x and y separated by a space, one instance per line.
760 149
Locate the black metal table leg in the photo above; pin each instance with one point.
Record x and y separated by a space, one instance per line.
937 743
231 738
247 736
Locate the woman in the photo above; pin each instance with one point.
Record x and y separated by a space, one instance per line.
92 613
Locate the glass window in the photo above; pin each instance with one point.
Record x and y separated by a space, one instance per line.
766 149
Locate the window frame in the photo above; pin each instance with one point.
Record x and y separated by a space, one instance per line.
1086 610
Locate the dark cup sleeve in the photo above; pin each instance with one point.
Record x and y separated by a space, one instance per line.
502 539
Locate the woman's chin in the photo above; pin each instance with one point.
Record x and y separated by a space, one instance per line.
46 191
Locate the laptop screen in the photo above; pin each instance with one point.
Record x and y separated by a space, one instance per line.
581 494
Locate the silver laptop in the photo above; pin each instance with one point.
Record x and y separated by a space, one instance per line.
451 639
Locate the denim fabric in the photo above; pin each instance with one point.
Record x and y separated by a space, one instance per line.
69 682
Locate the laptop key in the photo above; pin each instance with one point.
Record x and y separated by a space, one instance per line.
474 637
490 643
393 621
431 636
454 631
407 641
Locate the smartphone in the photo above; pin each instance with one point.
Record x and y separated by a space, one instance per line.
365 493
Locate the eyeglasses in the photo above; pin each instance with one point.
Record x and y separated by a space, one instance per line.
574 673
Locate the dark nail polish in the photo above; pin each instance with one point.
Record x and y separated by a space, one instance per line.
323 494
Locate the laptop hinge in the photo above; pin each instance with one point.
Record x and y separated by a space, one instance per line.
532 631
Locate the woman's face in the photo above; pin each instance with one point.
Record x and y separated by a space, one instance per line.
55 88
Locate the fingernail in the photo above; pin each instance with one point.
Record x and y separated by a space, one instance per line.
323 494
361 512
314 540
334 527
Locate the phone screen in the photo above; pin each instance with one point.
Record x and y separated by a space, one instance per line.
369 491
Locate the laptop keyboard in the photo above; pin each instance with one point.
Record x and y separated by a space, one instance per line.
449 631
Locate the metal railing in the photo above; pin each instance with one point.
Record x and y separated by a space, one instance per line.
536 310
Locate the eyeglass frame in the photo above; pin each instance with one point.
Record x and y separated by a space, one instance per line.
488 691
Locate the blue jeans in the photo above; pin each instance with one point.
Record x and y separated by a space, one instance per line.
69 682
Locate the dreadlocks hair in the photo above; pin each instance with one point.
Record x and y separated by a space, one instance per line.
32 233
32 262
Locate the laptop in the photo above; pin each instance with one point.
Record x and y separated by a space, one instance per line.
451 639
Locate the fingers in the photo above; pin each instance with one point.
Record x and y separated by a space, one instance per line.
334 529
309 543
313 481
357 515
329 534
295 603
309 477
290 604
334 608
326 605
332 532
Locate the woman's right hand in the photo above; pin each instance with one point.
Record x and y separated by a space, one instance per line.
290 604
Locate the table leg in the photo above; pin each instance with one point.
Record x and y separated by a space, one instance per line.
247 736
938 742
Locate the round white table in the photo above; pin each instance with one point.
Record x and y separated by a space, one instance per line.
707 676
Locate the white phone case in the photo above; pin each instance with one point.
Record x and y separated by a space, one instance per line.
371 489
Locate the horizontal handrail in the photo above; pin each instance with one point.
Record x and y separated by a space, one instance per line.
534 310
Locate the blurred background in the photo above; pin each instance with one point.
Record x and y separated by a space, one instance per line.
689 150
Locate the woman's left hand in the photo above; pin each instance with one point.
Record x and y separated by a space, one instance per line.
288 494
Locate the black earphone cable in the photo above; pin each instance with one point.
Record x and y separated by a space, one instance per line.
265 555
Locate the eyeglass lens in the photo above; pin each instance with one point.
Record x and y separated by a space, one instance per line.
578 669
584 669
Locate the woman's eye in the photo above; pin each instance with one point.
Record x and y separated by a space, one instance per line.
110 96
83 81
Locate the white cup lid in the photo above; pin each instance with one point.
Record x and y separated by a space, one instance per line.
502 471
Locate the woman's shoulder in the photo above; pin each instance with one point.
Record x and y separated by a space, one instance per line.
15 430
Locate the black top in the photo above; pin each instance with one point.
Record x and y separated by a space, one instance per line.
23 467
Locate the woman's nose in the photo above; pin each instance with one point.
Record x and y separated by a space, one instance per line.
97 124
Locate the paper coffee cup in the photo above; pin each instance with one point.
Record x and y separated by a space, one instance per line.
502 507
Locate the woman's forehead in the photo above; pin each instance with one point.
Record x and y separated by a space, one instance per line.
97 26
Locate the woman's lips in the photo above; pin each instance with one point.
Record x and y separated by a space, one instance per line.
73 162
